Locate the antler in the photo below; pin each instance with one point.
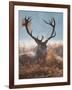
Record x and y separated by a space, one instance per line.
52 23
25 23
38 41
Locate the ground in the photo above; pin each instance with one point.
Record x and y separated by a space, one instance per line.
49 65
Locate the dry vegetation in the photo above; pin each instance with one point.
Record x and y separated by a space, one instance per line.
49 65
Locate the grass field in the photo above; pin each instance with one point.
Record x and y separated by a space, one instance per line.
49 65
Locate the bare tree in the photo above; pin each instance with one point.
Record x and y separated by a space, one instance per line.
42 45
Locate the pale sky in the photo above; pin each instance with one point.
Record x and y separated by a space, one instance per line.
39 27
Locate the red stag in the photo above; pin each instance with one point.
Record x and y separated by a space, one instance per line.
41 45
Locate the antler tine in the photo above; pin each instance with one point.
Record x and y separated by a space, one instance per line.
29 19
52 36
53 33
50 22
25 18
54 21
46 21
42 38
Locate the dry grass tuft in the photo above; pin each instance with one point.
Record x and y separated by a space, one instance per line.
50 65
